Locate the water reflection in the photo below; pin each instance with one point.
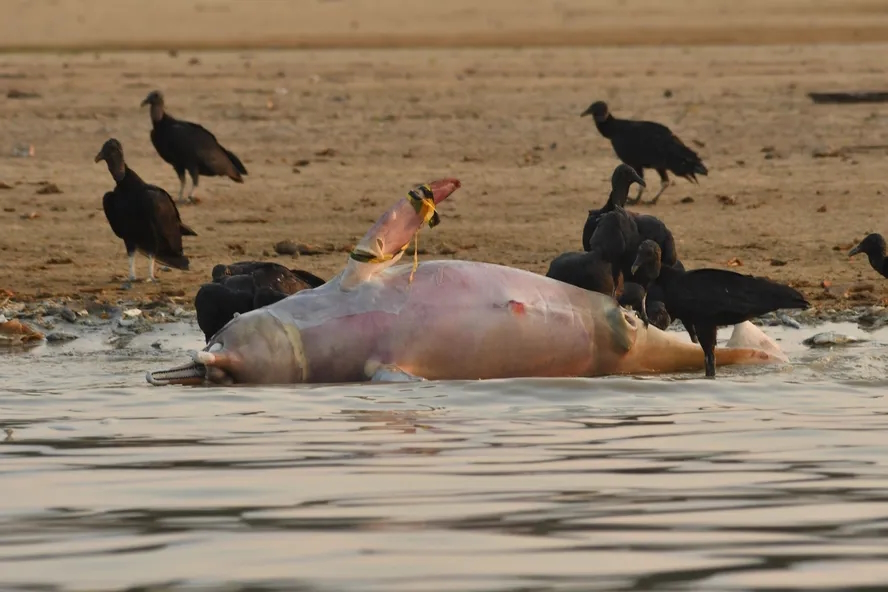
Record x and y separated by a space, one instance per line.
771 481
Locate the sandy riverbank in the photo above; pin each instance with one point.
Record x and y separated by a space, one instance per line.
331 138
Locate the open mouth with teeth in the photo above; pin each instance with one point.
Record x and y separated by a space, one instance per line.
205 366
192 373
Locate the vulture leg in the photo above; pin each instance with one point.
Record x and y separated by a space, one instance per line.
194 179
181 174
664 183
151 276
132 271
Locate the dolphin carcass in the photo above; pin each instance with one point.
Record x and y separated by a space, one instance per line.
442 320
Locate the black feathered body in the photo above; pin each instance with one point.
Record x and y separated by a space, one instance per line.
245 286
268 274
146 218
720 297
651 145
191 147
216 304
583 270
706 299
878 263
616 239
647 227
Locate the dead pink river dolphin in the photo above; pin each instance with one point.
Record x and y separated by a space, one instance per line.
449 320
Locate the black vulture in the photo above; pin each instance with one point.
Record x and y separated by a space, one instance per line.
270 274
621 179
144 216
647 299
648 305
216 304
649 227
706 299
646 144
609 236
874 247
616 239
585 270
244 286
190 148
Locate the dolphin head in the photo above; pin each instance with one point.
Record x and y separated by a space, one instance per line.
253 348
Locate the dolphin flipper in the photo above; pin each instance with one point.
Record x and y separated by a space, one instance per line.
390 373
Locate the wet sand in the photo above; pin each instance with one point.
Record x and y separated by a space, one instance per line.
332 138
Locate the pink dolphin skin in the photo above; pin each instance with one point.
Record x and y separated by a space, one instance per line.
454 320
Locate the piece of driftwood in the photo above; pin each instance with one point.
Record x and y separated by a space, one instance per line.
849 98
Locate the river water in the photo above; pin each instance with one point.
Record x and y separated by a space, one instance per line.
765 479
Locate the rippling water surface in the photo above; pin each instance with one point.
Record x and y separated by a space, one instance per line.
775 478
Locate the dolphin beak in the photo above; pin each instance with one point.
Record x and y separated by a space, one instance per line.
854 251
99 156
192 373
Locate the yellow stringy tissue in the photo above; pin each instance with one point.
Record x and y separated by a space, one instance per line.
427 211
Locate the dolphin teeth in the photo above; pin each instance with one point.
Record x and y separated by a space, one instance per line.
187 373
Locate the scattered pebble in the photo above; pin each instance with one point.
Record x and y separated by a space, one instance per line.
788 321
830 338
288 247
60 337
48 189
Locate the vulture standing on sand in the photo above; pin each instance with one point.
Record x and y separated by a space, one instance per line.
144 216
189 147
646 144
